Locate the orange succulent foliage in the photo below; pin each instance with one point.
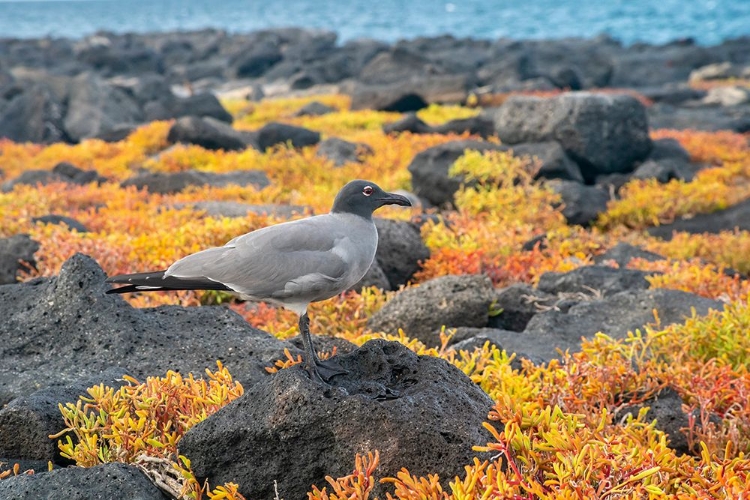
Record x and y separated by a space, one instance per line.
357 485
559 437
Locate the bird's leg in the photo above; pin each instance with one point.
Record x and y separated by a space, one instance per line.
311 358
318 369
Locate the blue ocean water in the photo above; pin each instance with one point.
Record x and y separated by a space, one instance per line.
653 21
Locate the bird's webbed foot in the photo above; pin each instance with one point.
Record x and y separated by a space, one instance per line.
325 370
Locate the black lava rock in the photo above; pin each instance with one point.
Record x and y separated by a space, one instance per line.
409 123
615 316
76 175
274 133
449 301
13 251
341 152
600 280
295 431
314 108
666 409
582 204
518 304
34 115
553 162
623 253
209 133
735 217
70 222
401 250
174 183
603 134
58 330
115 480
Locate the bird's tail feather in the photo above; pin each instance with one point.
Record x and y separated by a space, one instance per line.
155 281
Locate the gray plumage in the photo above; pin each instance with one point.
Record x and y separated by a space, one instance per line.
290 264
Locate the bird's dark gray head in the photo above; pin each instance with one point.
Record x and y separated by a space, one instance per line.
363 198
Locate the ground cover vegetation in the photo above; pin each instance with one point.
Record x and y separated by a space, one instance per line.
557 429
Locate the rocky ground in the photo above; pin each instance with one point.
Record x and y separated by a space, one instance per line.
105 85
62 334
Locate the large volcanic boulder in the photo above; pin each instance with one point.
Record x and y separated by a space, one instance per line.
35 115
603 133
57 330
294 431
95 107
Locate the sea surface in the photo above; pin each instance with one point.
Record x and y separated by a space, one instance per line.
653 21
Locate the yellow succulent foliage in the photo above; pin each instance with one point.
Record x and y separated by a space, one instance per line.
554 430
436 114
146 420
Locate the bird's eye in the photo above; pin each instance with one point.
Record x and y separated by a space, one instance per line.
367 191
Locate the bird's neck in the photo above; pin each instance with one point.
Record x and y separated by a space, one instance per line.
341 207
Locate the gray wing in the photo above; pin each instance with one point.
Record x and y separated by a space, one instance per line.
293 259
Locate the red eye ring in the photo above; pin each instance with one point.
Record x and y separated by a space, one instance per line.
367 191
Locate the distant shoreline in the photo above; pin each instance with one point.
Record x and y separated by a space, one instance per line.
601 37
708 22
107 85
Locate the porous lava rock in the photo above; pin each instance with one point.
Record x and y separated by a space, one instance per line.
581 204
274 133
430 169
731 218
341 152
419 412
449 301
517 304
401 250
598 280
563 327
602 133
623 253
666 408
209 133
57 330
113 480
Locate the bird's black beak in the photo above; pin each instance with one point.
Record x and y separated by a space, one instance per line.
394 199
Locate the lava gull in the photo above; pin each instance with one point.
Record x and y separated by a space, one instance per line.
290 264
